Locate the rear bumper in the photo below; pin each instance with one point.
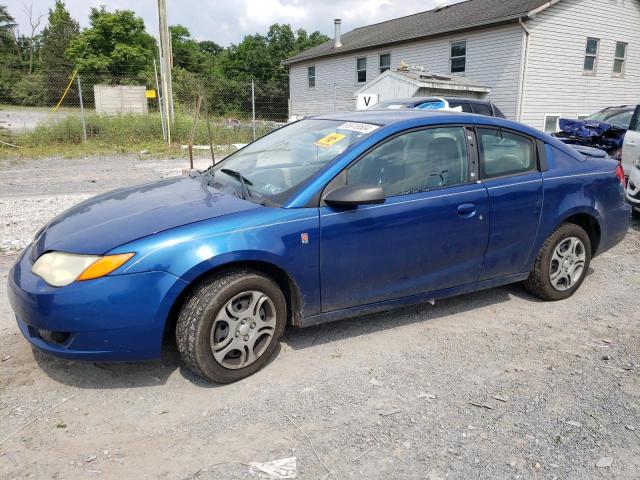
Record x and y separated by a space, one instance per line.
615 225
114 318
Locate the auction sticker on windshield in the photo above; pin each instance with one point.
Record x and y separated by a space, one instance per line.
358 127
330 140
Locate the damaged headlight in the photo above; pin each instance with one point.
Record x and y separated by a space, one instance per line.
60 269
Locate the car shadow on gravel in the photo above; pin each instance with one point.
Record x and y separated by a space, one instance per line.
93 375
90 375
299 339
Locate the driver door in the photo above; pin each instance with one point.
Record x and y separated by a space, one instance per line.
430 234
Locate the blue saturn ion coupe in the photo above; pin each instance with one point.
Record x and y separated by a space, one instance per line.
326 218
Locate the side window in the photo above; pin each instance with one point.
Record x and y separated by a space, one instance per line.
504 153
415 162
466 107
482 109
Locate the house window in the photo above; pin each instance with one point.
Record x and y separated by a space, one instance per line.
591 56
551 123
458 57
620 59
385 62
361 70
311 76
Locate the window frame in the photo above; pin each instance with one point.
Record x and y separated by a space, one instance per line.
380 67
311 77
591 55
452 57
547 115
623 59
340 179
534 150
358 70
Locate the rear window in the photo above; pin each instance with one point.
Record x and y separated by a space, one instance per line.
482 109
466 107
505 153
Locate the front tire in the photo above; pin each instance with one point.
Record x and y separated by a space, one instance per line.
562 264
230 325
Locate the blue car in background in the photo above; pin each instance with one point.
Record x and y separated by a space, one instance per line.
323 219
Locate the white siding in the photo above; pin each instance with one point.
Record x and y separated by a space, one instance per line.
493 59
555 82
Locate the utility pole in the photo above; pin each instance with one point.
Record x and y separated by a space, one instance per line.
166 63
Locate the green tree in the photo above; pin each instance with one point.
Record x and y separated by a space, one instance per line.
7 26
115 43
187 53
57 36
260 57
10 55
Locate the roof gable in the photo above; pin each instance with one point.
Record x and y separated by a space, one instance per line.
460 16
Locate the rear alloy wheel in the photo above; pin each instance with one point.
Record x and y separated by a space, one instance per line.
562 264
230 325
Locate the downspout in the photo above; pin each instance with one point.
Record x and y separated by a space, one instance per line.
523 69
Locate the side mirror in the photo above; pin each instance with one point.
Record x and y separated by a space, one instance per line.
354 195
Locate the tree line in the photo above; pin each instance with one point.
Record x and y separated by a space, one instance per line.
35 67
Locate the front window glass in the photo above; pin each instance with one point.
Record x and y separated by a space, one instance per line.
415 162
275 164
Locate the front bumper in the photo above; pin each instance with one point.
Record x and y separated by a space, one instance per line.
113 318
633 188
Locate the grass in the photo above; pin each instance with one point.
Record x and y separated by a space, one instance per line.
121 134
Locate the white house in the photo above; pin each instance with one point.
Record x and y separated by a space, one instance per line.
541 59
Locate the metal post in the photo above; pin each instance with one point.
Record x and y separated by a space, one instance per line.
162 119
334 96
84 125
166 59
253 108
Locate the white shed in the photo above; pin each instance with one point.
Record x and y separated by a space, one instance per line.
405 83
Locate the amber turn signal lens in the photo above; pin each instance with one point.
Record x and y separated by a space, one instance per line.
104 266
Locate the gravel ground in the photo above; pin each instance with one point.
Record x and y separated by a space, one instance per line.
492 385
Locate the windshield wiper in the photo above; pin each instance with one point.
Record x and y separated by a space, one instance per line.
243 181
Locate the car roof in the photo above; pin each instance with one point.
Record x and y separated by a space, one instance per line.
411 100
388 118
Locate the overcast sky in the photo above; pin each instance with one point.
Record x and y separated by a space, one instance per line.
229 21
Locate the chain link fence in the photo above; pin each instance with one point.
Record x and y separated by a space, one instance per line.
124 111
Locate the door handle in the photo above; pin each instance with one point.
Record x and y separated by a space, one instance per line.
467 210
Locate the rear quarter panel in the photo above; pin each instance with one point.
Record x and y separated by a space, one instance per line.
578 185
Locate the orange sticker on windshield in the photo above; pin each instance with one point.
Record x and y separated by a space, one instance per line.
330 140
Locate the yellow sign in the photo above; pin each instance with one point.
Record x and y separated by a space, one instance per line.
150 93
330 140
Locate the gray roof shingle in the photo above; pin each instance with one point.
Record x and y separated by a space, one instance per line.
460 16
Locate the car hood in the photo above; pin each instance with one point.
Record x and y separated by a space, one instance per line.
102 223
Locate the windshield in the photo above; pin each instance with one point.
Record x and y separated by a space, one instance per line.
275 164
618 117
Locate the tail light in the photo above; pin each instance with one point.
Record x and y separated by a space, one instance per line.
620 175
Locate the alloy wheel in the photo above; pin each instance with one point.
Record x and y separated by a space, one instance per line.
567 263
243 329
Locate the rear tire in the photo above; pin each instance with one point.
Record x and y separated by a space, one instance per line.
561 265
230 325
